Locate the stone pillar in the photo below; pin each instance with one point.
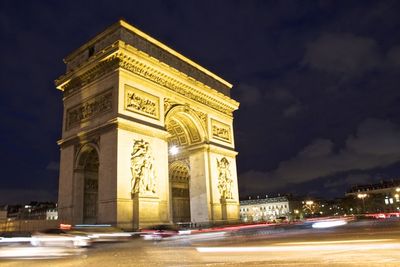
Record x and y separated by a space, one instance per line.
225 207
141 209
107 194
229 210
66 186
78 181
200 209
146 211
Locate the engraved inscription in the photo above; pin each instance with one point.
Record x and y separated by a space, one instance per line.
221 131
141 102
88 109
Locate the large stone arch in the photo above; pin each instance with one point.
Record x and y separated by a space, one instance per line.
131 98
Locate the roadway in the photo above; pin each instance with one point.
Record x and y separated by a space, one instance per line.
361 243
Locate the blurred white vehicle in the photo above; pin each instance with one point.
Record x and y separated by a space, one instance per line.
60 238
103 233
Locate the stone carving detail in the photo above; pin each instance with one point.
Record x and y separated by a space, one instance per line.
203 118
88 109
134 66
143 179
168 104
152 50
221 131
141 102
225 182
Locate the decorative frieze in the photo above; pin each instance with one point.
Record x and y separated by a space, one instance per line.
168 104
88 109
203 118
152 50
221 131
141 102
136 67
164 56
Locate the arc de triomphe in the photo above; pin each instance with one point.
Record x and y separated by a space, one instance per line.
147 135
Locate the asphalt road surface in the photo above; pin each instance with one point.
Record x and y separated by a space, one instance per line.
361 243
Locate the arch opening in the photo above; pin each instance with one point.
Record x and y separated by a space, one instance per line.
180 191
88 164
184 131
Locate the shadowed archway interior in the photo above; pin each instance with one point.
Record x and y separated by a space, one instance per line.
184 133
180 191
89 165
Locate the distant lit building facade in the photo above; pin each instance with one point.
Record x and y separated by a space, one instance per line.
379 197
32 211
52 214
267 209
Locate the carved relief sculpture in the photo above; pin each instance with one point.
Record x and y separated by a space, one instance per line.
221 131
134 66
225 182
88 109
168 104
143 179
141 102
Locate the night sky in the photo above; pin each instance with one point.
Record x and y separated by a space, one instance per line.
318 83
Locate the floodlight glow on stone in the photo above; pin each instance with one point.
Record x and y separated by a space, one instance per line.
174 150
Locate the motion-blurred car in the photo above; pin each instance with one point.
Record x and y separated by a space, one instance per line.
159 232
103 233
60 238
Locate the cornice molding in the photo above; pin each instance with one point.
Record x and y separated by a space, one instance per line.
119 59
134 37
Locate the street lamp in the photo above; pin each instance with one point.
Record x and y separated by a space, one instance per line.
309 205
362 197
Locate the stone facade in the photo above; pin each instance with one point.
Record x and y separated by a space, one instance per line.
266 209
127 100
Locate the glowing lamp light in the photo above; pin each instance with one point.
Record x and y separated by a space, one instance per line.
173 150
362 196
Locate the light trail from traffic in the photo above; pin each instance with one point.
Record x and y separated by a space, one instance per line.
337 245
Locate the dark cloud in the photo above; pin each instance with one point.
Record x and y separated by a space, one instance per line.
53 166
343 53
393 56
19 196
347 181
375 144
248 95
293 110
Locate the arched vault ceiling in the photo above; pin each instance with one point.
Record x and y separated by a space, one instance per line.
179 172
183 130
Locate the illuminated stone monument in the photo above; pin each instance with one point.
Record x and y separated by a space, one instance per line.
147 136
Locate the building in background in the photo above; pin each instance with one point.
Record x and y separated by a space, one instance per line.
32 211
379 197
269 209
3 213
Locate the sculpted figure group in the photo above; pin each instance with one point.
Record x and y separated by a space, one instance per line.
225 181
143 172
